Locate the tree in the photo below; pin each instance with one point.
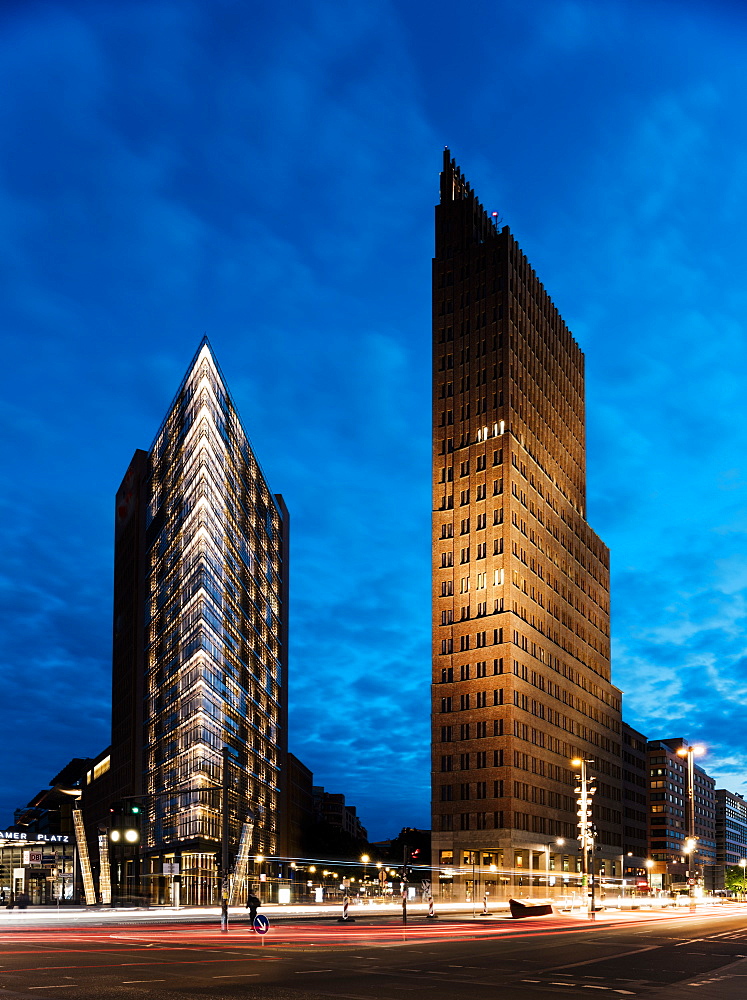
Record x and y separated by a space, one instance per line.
735 878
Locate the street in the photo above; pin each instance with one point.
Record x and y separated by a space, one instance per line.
658 956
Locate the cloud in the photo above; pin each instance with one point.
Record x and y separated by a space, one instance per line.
175 168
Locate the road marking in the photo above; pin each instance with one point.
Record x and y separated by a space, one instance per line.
236 975
128 982
307 972
607 958
58 986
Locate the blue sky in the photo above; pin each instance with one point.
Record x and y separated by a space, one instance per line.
266 174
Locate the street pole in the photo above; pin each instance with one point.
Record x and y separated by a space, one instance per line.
225 817
585 792
689 751
691 825
474 886
404 883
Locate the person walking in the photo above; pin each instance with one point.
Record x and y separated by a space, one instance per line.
252 904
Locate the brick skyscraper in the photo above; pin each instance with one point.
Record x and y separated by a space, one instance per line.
521 668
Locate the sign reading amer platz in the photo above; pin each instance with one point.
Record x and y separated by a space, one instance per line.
47 838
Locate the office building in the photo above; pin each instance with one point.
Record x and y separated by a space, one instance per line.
668 818
330 808
635 803
731 833
199 644
521 660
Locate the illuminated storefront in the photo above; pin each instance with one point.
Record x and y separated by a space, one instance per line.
41 866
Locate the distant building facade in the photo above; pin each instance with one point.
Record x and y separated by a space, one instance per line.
520 627
300 791
200 640
331 807
731 832
668 824
635 802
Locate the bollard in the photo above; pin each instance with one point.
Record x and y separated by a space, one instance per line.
431 913
485 911
345 919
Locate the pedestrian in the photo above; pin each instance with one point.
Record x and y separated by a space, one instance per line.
252 903
22 900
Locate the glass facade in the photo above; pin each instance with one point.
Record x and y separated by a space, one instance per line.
42 870
215 544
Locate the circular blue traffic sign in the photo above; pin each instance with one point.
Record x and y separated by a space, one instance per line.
261 924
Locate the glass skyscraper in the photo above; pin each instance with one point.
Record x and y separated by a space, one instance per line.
200 636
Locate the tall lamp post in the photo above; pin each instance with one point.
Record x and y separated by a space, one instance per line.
585 791
743 865
689 752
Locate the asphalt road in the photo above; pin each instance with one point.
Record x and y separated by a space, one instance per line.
652 956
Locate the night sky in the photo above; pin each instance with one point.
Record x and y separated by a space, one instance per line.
265 174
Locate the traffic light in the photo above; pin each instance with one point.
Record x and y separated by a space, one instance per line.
219 863
414 856
125 822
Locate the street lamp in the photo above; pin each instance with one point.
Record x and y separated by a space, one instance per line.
622 872
558 842
585 791
690 752
742 865
365 859
649 865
